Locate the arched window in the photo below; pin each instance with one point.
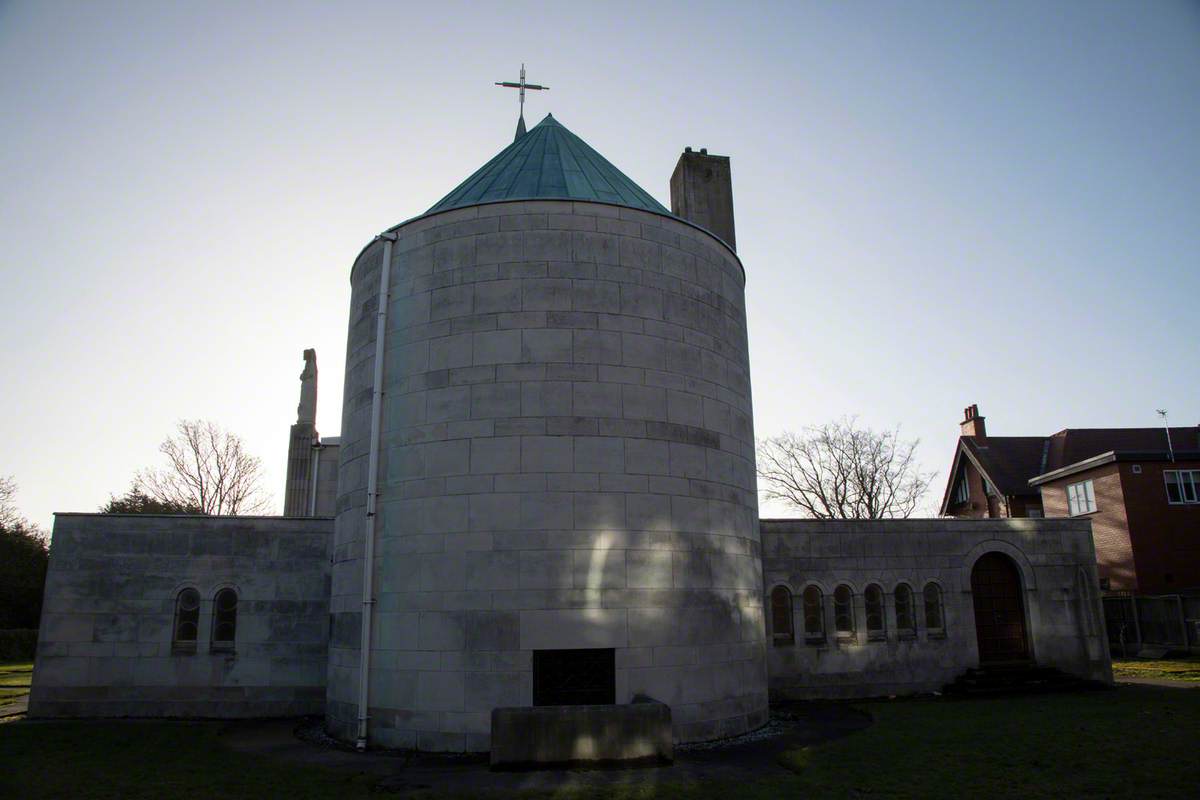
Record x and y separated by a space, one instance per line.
187 621
224 627
781 616
814 615
843 611
876 622
934 622
906 620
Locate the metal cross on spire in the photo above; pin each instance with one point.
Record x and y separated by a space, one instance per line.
522 85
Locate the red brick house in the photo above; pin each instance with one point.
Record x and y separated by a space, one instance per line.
1141 493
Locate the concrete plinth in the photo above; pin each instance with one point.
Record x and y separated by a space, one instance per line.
535 737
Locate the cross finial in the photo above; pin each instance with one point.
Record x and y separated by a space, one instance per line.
522 86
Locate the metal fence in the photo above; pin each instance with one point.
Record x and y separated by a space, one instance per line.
1171 621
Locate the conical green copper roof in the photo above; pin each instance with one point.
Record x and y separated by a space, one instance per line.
549 162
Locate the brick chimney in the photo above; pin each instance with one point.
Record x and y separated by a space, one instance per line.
972 424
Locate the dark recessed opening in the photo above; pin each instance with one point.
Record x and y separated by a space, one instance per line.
574 677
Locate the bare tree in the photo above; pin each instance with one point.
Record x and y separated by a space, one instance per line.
207 469
10 518
8 506
840 471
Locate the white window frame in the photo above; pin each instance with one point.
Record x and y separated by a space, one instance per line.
1081 498
1188 481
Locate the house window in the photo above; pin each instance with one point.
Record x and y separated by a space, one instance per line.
781 616
906 620
814 615
224 628
876 624
1183 485
935 623
962 492
1081 498
187 621
843 611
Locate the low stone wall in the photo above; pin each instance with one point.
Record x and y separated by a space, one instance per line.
557 735
105 648
1055 559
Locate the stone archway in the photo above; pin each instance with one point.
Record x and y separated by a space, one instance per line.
999 610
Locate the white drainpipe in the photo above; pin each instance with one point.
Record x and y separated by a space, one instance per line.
312 500
368 594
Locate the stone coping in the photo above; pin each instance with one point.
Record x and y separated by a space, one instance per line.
212 517
518 200
925 523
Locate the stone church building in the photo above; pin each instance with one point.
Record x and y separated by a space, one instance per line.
544 494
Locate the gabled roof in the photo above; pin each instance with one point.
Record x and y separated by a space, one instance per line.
1002 460
549 162
1011 462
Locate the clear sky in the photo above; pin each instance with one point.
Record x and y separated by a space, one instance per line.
937 203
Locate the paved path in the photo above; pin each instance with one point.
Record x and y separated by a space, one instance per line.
14 708
1164 683
747 758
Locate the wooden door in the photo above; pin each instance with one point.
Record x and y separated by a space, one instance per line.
999 610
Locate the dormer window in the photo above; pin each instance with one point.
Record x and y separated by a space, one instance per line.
962 492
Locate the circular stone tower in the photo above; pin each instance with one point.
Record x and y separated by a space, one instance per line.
566 489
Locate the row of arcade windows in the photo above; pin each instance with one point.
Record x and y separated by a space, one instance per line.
874 602
187 621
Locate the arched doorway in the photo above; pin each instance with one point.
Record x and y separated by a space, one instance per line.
999 610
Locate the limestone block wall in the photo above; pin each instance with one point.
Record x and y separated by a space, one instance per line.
311 487
327 477
105 645
1057 565
567 461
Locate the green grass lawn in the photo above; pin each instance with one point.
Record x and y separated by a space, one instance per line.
1133 742
14 679
1176 669
115 759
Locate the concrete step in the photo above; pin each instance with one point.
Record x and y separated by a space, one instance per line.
1015 679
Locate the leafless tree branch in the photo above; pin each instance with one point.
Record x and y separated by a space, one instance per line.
8 506
207 468
841 471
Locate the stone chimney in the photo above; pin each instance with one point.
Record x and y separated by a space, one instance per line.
972 424
296 491
702 192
